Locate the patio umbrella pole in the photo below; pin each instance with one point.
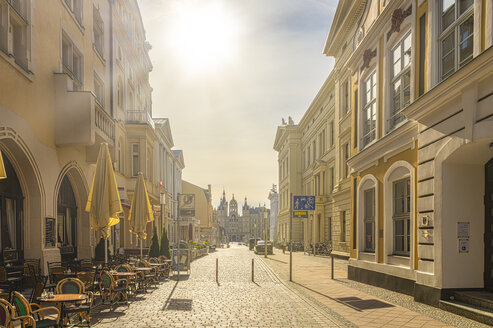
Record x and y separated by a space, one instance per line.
141 249
105 252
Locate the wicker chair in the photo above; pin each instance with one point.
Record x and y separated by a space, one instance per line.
24 308
76 286
7 316
87 279
114 289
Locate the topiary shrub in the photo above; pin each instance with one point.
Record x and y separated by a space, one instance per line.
164 249
154 249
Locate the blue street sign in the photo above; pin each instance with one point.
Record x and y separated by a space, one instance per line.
304 203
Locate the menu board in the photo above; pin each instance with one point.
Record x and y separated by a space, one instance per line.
50 235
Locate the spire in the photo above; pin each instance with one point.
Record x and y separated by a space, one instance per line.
233 196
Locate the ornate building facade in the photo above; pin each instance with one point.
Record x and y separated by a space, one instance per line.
241 227
421 78
75 79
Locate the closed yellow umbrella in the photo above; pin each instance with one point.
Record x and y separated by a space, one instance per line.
3 174
140 211
103 203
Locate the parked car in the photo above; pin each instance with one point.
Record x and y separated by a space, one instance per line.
259 247
252 243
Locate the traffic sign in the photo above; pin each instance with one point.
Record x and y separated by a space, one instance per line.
303 203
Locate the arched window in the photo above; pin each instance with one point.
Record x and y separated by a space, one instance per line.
399 210
367 216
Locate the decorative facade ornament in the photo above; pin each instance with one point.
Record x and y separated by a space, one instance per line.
398 17
367 56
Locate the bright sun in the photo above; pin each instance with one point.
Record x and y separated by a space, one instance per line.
203 36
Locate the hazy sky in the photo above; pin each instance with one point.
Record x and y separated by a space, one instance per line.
225 73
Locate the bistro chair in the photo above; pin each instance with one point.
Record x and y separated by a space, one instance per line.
76 286
149 277
116 290
7 316
55 271
132 281
87 278
39 284
86 265
24 308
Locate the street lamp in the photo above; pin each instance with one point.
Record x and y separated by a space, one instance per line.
265 232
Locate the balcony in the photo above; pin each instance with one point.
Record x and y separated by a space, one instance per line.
139 117
79 119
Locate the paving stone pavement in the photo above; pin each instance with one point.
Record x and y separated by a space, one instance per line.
362 305
198 301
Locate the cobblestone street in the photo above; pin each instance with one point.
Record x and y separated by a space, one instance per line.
198 301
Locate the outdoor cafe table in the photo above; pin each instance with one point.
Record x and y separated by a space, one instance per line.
62 299
143 269
123 274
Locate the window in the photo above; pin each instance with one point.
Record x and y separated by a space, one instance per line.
369 109
328 228
343 226
120 93
98 31
331 126
355 128
75 7
331 179
369 220
345 98
422 54
314 150
99 90
72 62
345 156
456 35
400 80
135 160
324 141
15 31
401 216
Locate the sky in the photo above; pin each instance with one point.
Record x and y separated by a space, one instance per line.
225 73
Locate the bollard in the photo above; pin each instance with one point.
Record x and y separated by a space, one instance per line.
217 270
332 267
253 270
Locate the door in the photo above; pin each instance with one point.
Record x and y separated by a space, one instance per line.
488 230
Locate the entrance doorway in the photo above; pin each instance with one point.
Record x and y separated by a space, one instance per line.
488 229
67 221
11 216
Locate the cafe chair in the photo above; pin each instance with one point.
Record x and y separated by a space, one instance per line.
8 318
76 286
114 289
24 308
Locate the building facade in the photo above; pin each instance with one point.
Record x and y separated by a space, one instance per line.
312 159
274 210
203 212
421 77
75 79
238 227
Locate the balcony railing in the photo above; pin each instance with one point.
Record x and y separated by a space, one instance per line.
139 116
104 123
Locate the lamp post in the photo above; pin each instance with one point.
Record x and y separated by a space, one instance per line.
265 232
162 201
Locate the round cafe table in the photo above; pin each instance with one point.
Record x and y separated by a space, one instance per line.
123 274
143 269
62 299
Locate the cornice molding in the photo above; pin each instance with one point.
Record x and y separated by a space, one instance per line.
391 144
476 70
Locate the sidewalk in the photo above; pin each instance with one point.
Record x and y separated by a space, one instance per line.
359 304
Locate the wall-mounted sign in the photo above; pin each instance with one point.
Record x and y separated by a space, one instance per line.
462 229
300 214
304 203
187 205
463 245
50 236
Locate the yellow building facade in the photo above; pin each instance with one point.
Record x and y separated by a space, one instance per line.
421 143
74 74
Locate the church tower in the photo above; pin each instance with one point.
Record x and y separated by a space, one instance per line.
233 207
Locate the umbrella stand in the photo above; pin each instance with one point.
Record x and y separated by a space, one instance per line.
105 252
